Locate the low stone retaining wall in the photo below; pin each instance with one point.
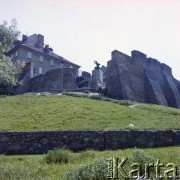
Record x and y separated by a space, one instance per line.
43 141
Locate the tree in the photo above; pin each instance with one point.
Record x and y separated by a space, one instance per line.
8 69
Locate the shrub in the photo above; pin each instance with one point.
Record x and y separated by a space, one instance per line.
107 99
125 103
94 171
87 154
74 94
2 96
60 156
96 97
105 91
139 156
115 101
14 170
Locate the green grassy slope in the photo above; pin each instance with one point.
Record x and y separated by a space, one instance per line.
29 112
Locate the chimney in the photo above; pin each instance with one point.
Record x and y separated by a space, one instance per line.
40 41
47 46
24 38
48 50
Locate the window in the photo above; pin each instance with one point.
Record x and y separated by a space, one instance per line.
71 66
61 65
79 72
40 59
50 52
16 53
51 62
29 55
40 70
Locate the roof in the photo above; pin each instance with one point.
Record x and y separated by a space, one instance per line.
39 50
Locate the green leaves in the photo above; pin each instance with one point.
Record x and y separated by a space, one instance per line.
8 35
8 69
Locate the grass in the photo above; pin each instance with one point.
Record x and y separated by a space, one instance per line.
29 112
36 167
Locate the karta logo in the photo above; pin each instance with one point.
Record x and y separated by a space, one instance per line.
116 169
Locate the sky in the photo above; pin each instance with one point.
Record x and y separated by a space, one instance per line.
86 30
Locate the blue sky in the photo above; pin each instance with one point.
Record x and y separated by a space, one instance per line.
83 31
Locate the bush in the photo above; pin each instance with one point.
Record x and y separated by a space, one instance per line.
107 99
6 89
74 94
3 96
87 154
125 103
94 171
105 91
60 156
96 97
140 157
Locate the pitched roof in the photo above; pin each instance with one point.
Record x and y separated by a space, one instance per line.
39 50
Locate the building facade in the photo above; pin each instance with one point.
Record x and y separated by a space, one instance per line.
44 69
41 58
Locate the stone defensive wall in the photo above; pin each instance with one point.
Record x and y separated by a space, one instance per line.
141 79
53 80
42 141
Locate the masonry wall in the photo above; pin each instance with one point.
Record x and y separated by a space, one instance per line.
141 79
25 79
52 80
42 142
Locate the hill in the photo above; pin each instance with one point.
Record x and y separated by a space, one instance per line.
30 112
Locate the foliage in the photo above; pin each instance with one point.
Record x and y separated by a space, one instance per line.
105 92
8 35
8 69
94 171
28 168
33 166
141 157
96 97
87 154
30 112
60 156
